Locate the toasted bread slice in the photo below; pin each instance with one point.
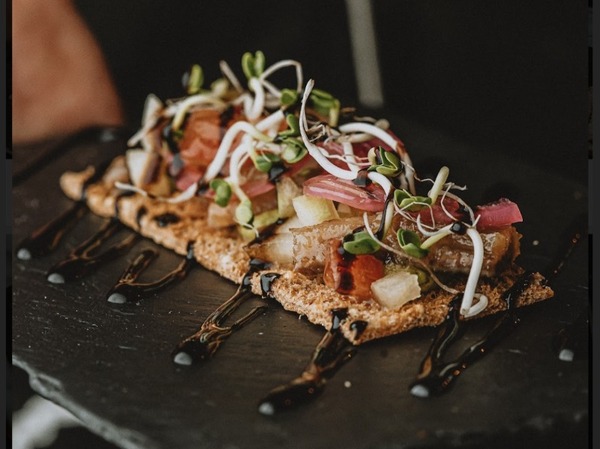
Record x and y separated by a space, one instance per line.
222 251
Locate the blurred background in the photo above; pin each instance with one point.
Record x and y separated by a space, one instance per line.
509 76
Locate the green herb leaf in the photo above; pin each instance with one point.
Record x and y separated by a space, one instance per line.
264 161
288 97
193 80
243 213
293 150
386 162
410 243
405 201
253 64
360 243
326 104
222 191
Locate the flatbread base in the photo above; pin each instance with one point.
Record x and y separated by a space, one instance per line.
222 251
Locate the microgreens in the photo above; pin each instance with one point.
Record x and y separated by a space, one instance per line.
386 162
411 244
243 213
326 104
193 80
288 97
293 150
222 191
264 161
360 243
406 201
253 64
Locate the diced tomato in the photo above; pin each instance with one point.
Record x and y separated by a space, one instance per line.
351 274
202 135
370 198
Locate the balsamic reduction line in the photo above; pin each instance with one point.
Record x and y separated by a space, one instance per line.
127 289
46 238
84 257
436 376
333 351
202 345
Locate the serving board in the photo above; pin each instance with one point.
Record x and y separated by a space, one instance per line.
111 365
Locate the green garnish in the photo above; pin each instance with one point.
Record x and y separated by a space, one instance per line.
326 104
288 97
264 161
411 244
386 162
406 201
360 243
425 281
222 191
253 64
244 214
293 150
193 80
293 126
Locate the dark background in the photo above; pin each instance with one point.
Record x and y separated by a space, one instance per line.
508 76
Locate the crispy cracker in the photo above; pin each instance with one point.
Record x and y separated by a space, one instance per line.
222 251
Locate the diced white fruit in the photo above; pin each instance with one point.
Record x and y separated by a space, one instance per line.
276 249
312 210
287 190
261 221
141 165
291 223
148 172
396 289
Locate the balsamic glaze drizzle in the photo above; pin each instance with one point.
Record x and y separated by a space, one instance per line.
330 354
167 219
436 376
45 239
85 257
206 341
127 289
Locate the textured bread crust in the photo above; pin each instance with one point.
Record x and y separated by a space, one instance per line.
222 251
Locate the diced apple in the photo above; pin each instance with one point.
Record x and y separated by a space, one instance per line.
277 249
287 190
148 171
396 289
312 210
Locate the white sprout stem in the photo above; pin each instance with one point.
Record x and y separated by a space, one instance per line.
235 163
223 151
466 308
228 73
152 112
421 227
253 107
267 124
282 64
194 100
350 157
406 256
438 185
315 151
388 139
461 202
130 188
436 237
183 196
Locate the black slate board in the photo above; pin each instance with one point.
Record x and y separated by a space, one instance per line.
111 366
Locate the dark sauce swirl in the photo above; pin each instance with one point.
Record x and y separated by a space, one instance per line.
46 238
85 257
328 357
127 289
203 345
436 376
